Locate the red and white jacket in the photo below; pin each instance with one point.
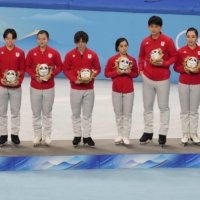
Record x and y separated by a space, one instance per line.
157 73
192 78
12 60
50 57
121 83
74 62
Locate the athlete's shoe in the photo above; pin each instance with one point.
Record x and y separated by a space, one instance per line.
88 142
185 138
3 140
194 137
15 139
126 140
47 140
146 137
37 140
119 140
76 141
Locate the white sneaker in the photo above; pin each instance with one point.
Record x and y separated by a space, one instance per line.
119 139
126 140
185 138
194 138
47 140
37 140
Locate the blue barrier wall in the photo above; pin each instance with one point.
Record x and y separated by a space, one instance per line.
103 29
183 7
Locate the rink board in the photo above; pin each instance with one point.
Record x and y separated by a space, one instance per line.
62 156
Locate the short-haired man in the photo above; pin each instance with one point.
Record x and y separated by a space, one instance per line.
12 68
81 66
157 53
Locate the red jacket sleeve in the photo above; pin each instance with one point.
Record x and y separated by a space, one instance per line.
58 64
22 67
141 58
110 69
172 54
134 70
67 68
29 66
96 65
178 66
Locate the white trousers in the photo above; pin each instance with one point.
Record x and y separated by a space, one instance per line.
42 104
150 89
123 106
14 96
82 99
189 96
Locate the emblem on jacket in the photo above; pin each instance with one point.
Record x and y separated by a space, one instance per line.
10 77
85 75
123 64
43 71
162 44
89 56
17 54
156 55
191 63
50 55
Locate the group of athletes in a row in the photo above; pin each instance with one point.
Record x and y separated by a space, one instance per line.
81 66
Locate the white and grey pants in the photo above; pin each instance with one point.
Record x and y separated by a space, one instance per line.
123 106
82 99
14 96
150 89
189 96
42 104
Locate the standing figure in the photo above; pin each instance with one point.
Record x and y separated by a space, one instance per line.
12 68
43 63
188 65
81 66
157 53
122 68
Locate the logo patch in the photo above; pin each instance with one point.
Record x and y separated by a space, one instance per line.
17 54
89 56
50 55
35 54
162 44
198 52
73 55
2 52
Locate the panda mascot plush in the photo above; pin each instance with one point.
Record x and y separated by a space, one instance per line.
10 77
156 55
43 71
192 64
123 64
85 75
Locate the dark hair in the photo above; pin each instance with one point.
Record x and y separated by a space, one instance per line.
118 41
192 29
43 32
81 35
155 20
11 31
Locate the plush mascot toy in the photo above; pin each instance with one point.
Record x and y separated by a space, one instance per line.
85 75
44 72
123 64
10 78
192 64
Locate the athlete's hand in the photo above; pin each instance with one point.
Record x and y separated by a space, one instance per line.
187 71
3 82
120 72
157 63
14 84
77 82
128 71
141 73
38 79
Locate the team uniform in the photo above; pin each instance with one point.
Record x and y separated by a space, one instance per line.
11 60
81 95
155 80
122 96
189 93
42 94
